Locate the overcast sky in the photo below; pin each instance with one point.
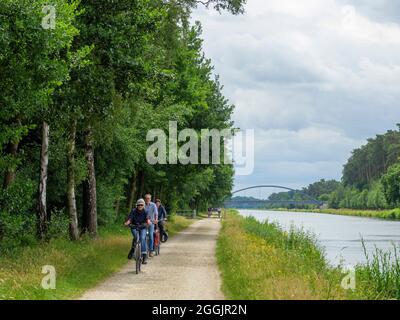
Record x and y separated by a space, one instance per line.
314 78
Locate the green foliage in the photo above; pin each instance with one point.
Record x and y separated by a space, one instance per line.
58 227
321 188
391 184
352 198
380 276
368 163
115 69
17 224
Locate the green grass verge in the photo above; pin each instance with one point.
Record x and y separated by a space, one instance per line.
260 261
79 265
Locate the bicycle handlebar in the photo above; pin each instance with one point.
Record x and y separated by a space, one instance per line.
136 226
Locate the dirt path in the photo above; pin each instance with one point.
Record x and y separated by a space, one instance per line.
185 270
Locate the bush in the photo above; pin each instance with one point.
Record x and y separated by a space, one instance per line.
16 230
59 225
17 219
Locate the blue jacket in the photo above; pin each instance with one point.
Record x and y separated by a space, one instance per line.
138 217
162 213
152 211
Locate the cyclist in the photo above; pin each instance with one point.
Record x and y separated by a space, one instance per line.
139 219
152 212
162 216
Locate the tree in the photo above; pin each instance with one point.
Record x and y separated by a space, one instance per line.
391 184
33 66
78 100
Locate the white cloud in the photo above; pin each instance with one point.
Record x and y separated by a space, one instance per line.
314 78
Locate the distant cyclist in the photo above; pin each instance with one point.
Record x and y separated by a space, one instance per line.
139 220
162 216
152 212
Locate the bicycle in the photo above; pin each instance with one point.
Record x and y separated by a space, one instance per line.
164 235
137 249
157 242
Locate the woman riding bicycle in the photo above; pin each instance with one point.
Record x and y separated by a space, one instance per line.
138 220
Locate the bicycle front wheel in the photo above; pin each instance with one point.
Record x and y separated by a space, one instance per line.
138 256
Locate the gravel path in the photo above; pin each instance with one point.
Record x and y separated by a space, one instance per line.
185 270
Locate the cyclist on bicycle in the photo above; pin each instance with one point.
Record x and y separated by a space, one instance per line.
138 220
162 216
152 212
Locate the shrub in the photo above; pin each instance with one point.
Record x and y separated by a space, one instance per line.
17 219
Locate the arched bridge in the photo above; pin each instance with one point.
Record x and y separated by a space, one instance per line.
307 199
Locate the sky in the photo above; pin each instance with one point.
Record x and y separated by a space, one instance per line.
313 78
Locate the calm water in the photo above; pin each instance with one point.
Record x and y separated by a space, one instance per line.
340 236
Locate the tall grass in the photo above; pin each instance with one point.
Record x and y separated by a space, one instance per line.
379 277
79 265
260 261
297 241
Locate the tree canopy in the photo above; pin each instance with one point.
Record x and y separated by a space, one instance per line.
78 100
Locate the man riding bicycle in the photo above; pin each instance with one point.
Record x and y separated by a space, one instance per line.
152 212
138 220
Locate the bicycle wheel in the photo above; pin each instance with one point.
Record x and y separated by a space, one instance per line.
138 256
157 242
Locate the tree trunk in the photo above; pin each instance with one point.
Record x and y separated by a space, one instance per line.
90 196
72 212
132 192
141 189
44 164
9 177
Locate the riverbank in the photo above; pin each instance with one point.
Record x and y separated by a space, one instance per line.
78 265
260 261
393 214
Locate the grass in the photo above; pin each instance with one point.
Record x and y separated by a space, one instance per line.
393 214
259 261
79 265
380 276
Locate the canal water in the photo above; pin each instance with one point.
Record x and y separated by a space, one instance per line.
340 236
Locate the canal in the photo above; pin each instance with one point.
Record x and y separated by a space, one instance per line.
340 236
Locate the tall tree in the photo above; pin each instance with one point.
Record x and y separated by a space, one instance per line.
33 67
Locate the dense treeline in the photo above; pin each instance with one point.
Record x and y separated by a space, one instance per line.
368 163
78 100
371 175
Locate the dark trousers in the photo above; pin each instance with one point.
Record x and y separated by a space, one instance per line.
161 229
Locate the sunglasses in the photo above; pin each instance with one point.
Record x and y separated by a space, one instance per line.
139 205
